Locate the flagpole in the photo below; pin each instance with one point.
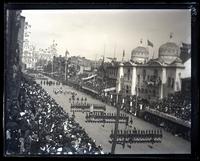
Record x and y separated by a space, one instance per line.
149 43
114 50
104 50
65 70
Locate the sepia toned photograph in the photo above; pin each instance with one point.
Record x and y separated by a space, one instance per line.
97 82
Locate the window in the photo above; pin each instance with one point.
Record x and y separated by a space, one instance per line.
154 92
172 85
148 77
128 73
156 72
169 81
138 78
144 74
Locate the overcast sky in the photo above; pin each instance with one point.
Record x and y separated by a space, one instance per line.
86 32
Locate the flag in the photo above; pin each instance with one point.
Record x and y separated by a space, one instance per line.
123 53
171 35
140 41
149 43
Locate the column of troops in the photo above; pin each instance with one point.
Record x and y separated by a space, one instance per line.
138 136
46 82
105 117
86 107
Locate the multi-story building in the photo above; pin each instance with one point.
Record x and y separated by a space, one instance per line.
29 57
84 65
21 39
13 37
153 79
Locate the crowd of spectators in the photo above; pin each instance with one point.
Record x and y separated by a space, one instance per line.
38 125
95 84
176 105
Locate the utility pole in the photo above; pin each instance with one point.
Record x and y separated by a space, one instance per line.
136 97
66 67
115 131
52 65
95 66
65 70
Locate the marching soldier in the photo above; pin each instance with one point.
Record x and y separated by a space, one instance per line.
104 122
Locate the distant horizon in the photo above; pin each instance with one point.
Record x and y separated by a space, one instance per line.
91 33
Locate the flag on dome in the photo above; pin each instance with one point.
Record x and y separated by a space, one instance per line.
171 35
149 43
140 41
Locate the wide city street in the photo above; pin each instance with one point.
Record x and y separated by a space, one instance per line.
170 144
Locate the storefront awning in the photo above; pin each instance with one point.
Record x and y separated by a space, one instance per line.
109 89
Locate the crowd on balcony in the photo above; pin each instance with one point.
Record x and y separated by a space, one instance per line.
176 105
38 125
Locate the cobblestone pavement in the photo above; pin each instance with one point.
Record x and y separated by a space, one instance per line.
170 143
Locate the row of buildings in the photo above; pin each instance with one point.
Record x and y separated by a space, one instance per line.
73 65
